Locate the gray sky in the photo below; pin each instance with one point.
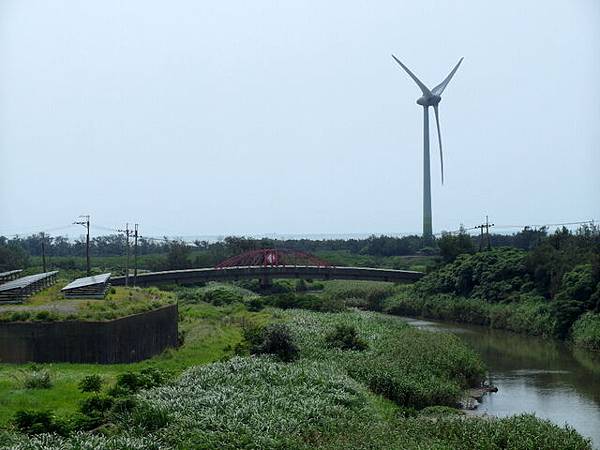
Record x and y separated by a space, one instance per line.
197 118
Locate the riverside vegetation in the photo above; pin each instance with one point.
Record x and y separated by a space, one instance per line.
257 372
552 290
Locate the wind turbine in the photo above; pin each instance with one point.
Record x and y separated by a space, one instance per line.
429 98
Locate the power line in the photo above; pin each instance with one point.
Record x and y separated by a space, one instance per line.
583 222
41 230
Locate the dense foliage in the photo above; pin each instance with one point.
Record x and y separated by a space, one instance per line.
164 254
541 291
586 331
324 399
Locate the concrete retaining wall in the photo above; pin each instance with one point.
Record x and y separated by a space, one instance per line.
123 340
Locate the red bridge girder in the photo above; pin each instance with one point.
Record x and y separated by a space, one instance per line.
273 257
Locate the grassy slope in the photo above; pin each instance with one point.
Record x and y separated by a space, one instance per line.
209 332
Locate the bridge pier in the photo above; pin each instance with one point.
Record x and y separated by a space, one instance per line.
265 281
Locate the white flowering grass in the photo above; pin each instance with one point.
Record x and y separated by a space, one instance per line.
83 441
259 403
323 400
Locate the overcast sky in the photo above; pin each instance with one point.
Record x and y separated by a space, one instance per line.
222 117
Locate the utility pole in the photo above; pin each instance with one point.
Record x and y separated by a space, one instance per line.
135 253
480 236
487 225
43 251
86 224
127 231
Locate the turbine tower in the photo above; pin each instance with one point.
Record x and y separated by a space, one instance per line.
429 98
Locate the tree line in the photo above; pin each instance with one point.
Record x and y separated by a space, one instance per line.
176 254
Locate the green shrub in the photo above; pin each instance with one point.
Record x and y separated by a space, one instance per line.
149 417
346 337
91 383
255 303
46 316
276 339
221 296
132 382
329 304
586 332
36 422
96 406
281 287
360 303
82 422
122 407
36 378
301 285
20 316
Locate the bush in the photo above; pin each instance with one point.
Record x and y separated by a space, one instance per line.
96 406
46 316
132 382
36 378
329 304
91 383
217 295
276 339
586 332
451 246
20 316
149 417
301 285
255 304
345 337
36 422
122 406
222 296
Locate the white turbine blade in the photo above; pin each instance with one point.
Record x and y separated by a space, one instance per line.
440 87
424 88
437 121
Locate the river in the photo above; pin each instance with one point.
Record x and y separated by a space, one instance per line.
534 375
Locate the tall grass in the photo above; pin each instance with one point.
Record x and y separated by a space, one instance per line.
434 375
325 399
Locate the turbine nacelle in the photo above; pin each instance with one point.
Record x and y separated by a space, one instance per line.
429 100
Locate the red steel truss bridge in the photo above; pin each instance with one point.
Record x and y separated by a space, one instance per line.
266 264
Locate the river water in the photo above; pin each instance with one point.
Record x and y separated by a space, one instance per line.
533 375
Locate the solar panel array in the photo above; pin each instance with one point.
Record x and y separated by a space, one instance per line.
88 287
10 275
16 291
